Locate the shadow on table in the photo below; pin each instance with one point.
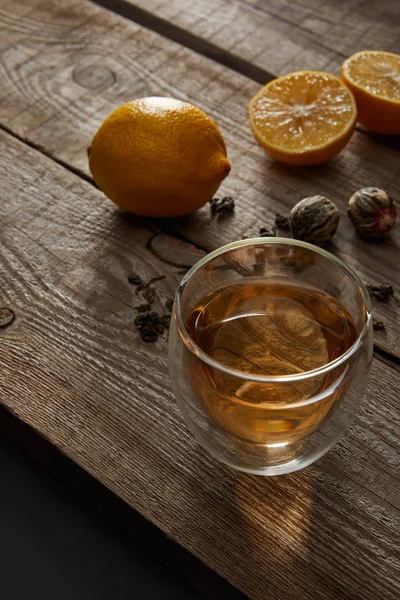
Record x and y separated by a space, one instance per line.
303 535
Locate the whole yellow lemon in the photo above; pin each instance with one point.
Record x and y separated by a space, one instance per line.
158 157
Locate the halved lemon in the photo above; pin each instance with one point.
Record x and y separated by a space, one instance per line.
303 118
374 79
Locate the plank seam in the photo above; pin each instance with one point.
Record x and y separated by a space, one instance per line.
186 38
262 10
42 150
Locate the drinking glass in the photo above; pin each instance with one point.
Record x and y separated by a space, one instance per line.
295 418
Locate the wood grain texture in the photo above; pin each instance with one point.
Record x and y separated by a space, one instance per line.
281 35
67 67
72 367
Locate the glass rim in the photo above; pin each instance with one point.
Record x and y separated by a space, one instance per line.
195 349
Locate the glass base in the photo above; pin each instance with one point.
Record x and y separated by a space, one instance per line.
260 459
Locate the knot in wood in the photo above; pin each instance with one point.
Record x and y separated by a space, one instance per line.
94 76
7 316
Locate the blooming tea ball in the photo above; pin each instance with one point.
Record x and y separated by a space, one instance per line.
372 212
314 220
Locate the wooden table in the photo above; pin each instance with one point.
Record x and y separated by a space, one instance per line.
73 369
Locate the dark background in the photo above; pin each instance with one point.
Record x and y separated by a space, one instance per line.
54 547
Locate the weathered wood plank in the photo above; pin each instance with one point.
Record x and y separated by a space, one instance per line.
72 367
61 79
281 36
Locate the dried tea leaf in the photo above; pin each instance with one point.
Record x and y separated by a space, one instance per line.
264 232
134 279
381 292
282 222
169 304
222 206
154 279
143 308
165 321
148 336
149 294
151 325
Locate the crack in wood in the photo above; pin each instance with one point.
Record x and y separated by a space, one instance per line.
185 38
42 150
154 252
387 357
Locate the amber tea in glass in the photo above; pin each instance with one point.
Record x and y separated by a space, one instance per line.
270 341
263 327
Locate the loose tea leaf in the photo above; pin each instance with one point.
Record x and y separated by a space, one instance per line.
381 292
282 222
222 206
264 232
149 336
151 325
149 294
154 279
140 285
7 316
158 324
165 320
378 325
143 308
141 321
147 327
169 304
135 279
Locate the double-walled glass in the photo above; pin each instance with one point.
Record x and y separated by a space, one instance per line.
297 417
